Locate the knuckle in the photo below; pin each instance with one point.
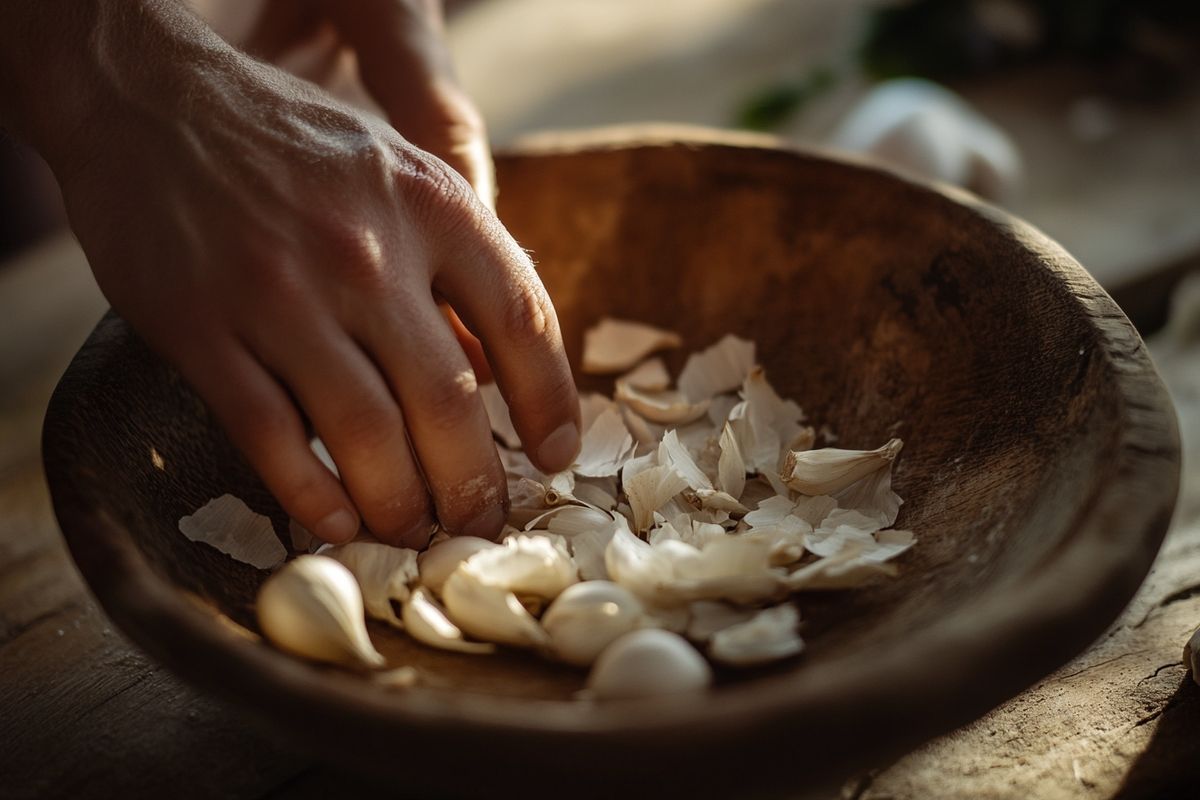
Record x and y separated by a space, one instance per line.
356 254
450 402
437 194
361 423
528 315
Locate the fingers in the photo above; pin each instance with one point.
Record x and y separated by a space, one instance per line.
360 422
280 26
263 423
470 345
492 284
447 423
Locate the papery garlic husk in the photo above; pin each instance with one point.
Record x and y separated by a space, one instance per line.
763 424
526 565
587 617
720 501
497 410
648 663
768 636
649 490
615 345
426 621
672 453
706 617
847 569
829 470
312 607
383 572
227 524
440 561
489 612
721 368
731 468
606 445
664 407
651 376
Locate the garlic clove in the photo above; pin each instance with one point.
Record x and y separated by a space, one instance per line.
651 375
606 445
489 612
720 368
664 407
829 470
227 524
426 621
767 636
312 607
527 566
383 572
615 345
589 616
649 490
648 663
440 561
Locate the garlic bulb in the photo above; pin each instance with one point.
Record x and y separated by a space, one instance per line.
587 617
427 622
767 636
648 663
439 562
312 607
383 573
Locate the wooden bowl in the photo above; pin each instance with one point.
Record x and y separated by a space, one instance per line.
1040 471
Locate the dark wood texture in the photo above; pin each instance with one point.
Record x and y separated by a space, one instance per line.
1040 472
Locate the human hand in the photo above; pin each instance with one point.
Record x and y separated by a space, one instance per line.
286 253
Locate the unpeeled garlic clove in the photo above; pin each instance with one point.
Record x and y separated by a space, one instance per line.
438 563
489 612
383 573
648 663
587 617
312 607
829 470
426 621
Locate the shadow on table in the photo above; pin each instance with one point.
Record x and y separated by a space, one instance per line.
1170 764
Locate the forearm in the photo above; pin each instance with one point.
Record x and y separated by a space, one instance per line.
71 66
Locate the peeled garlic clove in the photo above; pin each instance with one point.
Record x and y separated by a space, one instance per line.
427 622
720 368
383 573
615 345
438 563
489 612
648 663
768 636
229 525
664 407
587 617
312 608
830 469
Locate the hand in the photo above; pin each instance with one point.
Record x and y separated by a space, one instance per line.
285 252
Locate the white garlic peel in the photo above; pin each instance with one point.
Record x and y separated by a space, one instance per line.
767 636
427 622
648 663
312 607
383 572
587 617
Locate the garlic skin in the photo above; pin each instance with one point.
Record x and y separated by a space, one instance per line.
383 573
427 622
767 636
830 470
589 616
615 345
648 663
312 607
438 563
228 524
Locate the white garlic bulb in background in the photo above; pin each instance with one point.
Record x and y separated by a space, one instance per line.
312 607
648 663
923 127
587 617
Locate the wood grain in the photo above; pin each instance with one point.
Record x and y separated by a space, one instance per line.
1041 480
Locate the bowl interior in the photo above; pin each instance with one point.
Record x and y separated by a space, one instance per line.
885 308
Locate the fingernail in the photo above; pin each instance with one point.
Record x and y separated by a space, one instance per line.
558 450
487 524
419 535
340 526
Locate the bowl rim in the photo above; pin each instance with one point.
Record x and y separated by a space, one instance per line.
1104 555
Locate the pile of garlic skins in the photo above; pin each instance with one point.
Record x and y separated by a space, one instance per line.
689 519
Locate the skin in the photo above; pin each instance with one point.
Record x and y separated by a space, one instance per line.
288 253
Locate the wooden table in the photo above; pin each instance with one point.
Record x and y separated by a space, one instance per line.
84 714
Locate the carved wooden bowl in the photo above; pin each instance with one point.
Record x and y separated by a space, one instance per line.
1039 473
